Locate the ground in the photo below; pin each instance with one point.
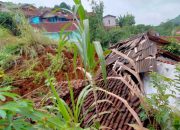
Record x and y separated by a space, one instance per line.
28 74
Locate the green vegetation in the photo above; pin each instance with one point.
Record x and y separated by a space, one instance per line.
157 105
7 21
125 29
27 43
63 5
175 20
126 20
168 28
173 47
18 114
12 47
165 29
23 115
97 31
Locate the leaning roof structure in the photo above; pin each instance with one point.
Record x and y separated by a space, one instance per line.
125 65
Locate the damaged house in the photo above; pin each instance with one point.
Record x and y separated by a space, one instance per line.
128 66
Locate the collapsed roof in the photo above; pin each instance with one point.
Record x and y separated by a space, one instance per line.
124 65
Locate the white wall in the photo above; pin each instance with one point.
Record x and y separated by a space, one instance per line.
109 21
167 70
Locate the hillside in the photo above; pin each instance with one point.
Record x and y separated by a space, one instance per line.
176 20
169 28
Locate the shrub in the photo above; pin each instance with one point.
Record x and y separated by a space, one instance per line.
173 47
157 104
7 21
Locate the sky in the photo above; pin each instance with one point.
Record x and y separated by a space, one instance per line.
149 12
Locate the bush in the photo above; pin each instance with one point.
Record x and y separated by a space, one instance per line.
112 36
7 21
117 34
173 47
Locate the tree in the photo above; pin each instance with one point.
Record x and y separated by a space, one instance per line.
65 6
173 47
126 20
7 21
62 5
96 21
143 28
165 29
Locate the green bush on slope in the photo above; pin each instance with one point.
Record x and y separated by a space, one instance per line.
7 21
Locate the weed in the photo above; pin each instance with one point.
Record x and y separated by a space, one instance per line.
56 63
18 114
158 104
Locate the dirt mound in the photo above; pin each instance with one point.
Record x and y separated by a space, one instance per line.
28 74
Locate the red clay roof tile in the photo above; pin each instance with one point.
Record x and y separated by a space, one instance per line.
31 12
55 27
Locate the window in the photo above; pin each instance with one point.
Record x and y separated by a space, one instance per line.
109 22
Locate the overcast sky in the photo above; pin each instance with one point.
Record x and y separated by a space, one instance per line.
145 11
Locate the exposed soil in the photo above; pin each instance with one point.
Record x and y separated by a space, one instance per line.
27 85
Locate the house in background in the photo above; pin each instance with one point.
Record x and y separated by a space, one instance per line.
52 30
37 16
53 17
31 13
50 22
48 16
109 21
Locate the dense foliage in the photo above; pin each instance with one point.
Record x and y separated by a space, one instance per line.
173 47
62 5
165 29
115 34
18 113
126 28
126 20
7 21
169 28
96 21
157 105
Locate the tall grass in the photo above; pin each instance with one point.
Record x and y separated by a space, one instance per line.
72 116
87 51
29 41
6 37
30 35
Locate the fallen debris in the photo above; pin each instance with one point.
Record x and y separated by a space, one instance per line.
125 65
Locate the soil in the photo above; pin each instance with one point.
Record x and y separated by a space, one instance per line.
25 86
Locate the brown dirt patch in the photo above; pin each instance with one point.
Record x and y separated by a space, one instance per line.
26 85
